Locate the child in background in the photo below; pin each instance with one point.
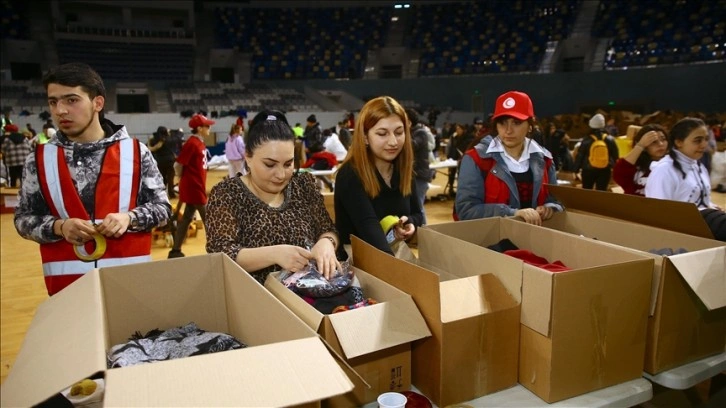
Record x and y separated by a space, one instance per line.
631 172
680 176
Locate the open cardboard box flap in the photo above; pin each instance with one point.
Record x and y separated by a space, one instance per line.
71 332
641 210
412 279
534 286
469 283
33 379
704 271
464 258
394 320
197 378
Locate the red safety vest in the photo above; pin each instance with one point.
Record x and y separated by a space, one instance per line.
117 188
496 190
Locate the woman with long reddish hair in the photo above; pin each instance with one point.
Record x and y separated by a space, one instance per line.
376 180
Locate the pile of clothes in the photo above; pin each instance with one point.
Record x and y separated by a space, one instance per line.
178 342
339 293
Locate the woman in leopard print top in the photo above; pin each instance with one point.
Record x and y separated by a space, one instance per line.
271 218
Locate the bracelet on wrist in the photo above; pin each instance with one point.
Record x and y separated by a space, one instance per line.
331 240
60 228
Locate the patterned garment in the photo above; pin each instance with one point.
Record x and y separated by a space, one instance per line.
15 149
309 281
178 342
33 219
237 219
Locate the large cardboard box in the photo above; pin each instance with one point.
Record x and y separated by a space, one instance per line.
375 340
582 329
471 302
72 331
687 310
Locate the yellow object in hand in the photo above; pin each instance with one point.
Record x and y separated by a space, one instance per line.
81 253
85 387
389 222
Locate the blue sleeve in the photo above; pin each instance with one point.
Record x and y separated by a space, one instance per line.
470 194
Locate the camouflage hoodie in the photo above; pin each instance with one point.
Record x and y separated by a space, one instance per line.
33 218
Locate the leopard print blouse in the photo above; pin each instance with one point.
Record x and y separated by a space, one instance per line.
237 219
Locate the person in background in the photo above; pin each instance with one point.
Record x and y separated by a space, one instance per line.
596 166
234 150
459 142
161 148
271 218
507 173
344 134
377 179
177 140
332 144
479 129
30 129
15 148
313 133
299 145
558 143
75 190
680 176
43 137
631 172
611 128
191 168
421 138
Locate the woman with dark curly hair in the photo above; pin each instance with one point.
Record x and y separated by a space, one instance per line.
631 172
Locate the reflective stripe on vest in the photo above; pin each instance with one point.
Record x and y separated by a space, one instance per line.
53 180
116 191
79 267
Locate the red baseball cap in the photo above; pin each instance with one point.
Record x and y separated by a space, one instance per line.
515 104
11 127
200 120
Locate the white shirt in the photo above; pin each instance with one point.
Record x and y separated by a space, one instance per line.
520 165
667 183
333 145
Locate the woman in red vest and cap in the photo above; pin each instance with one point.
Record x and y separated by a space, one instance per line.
507 173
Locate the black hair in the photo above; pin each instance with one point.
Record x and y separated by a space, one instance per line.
680 131
77 74
268 125
644 160
412 116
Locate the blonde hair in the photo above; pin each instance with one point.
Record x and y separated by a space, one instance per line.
362 159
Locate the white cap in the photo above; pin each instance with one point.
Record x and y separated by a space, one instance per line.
597 121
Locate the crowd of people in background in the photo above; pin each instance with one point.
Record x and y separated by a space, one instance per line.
504 162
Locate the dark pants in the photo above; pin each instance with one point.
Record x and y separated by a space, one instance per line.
452 180
166 168
15 173
183 224
716 221
600 178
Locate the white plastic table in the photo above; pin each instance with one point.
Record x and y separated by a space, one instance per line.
626 394
688 375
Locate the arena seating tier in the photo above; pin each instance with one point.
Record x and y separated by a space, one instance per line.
662 32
